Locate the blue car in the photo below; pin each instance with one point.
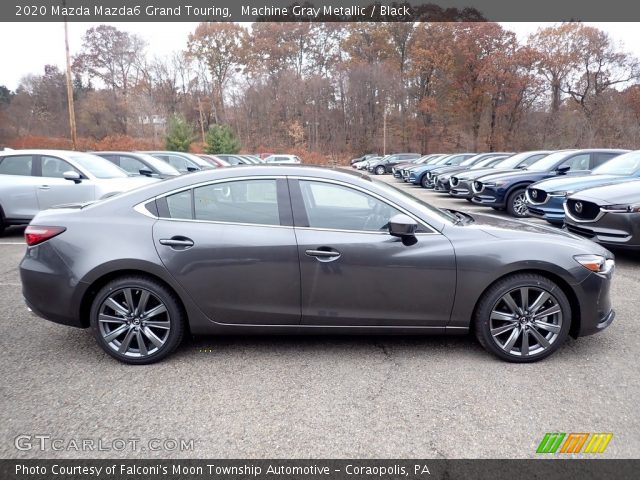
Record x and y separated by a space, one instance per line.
506 191
546 199
417 176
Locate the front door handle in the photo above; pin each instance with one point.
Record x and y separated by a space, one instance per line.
323 254
45 187
177 242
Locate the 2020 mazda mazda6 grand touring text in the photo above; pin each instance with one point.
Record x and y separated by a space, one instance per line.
294 249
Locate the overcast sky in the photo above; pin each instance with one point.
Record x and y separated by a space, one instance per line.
27 47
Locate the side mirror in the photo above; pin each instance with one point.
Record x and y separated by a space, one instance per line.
73 176
192 169
563 169
404 227
146 172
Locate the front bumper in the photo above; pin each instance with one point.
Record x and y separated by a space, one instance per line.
461 190
442 186
612 229
596 312
552 210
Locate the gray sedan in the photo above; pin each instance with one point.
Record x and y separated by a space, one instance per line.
301 250
33 180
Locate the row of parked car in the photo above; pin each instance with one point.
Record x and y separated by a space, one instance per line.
34 180
594 193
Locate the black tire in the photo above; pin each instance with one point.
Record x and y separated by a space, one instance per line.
492 301
469 200
424 181
514 203
380 170
174 319
2 224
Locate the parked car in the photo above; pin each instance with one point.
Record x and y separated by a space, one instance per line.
609 214
349 255
384 165
507 190
461 182
262 156
255 159
418 176
440 159
234 159
281 158
363 157
365 163
33 180
439 177
396 170
139 164
546 199
214 161
181 161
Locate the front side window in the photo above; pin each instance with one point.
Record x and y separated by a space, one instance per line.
16 165
343 208
578 162
132 165
54 167
246 201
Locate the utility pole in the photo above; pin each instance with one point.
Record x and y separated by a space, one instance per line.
72 113
384 130
201 119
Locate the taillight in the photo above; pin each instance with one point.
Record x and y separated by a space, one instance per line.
35 234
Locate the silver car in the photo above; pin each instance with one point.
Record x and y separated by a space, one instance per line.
34 180
279 158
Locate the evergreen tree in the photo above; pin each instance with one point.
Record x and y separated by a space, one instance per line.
220 139
179 134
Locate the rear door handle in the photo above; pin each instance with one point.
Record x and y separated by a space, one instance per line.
45 187
177 242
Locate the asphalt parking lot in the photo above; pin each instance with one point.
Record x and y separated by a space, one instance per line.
315 397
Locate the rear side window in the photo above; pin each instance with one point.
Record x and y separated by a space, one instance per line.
602 157
247 201
16 165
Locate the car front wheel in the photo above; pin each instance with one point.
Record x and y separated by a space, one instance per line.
517 205
380 170
523 318
137 320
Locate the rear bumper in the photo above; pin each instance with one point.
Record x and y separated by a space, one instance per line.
48 286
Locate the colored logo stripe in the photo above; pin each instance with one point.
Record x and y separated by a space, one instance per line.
550 443
574 442
598 442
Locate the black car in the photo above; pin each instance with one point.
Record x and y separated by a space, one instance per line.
140 164
306 250
609 215
385 164
461 182
507 190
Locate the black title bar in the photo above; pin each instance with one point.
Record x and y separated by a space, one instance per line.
316 10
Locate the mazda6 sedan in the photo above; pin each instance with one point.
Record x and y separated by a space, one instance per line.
295 250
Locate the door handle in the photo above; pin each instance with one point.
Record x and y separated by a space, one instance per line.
323 254
45 187
179 242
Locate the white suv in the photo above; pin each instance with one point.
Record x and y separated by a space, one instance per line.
282 159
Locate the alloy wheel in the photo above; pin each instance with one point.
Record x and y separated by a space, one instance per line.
519 205
526 321
134 322
379 170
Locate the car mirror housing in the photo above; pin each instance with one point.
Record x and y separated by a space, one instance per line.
403 227
73 176
146 172
563 169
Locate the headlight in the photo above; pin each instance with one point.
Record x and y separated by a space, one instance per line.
428 174
621 208
595 263
561 194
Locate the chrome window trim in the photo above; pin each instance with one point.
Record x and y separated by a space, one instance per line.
140 207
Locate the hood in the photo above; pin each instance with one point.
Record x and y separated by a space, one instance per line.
480 172
449 169
513 175
506 228
579 182
624 193
108 186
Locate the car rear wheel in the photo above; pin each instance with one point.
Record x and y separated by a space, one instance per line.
523 318
137 320
380 170
517 205
424 181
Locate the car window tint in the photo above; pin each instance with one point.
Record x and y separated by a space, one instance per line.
602 157
132 165
343 208
247 201
178 163
55 167
179 205
16 165
578 162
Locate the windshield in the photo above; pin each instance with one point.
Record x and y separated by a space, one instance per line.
197 160
457 159
625 164
517 159
160 166
98 166
484 163
550 161
394 191
472 160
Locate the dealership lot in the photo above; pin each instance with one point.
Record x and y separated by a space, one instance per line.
429 397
